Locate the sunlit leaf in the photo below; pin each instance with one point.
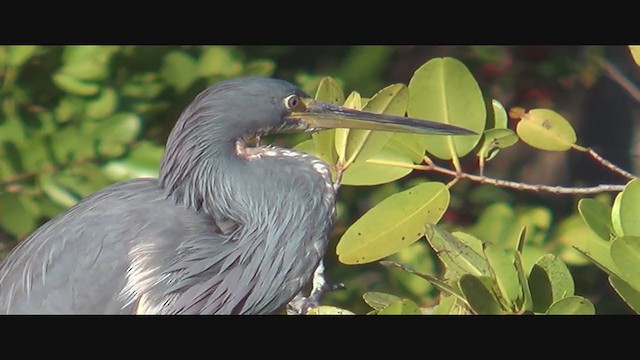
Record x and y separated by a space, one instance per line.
506 275
499 115
549 281
526 301
635 53
370 173
260 67
597 215
56 192
444 90
630 295
572 305
378 300
218 60
625 252
353 101
363 144
457 257
445 306
19 54
495 139
75 86
393 224
626 207
329 91
179 70
479 295
104 105
143 161
401 307
544 129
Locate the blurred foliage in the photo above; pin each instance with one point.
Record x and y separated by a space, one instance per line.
74 119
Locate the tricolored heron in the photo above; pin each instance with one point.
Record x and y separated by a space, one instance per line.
225 229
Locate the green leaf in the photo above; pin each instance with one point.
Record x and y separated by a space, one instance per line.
328 310
445 306
353 101
635 53
121 128
363 144
218 60
499 115
546 130
329 91
369 173
495 139
597 216
526 302
441 285
471 241
401 307
179 70
75 86
260 67
396 222
505 273
65 143
103 106
479 295
444 90
143 161
572 305
411 145
16 217
549 281
626 207
378 300
457 257
630 295
17 55
56 192
625 252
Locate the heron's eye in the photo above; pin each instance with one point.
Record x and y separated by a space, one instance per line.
293 102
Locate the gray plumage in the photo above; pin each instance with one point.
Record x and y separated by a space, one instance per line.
224 230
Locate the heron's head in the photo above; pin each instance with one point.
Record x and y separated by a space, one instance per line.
248 106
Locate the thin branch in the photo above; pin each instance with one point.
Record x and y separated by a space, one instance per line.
618 77
609 165
430 166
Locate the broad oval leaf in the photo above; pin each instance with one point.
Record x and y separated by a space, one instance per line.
505 272
630 295
545 129
626 207
480 296
396 222
401 307
379 300
370 173
19 54
103 106
597 216
549 281
444 90
328 310
572 305
625 252
143 161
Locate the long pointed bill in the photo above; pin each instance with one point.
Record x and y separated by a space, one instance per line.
320 115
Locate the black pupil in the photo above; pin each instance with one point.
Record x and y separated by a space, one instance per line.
293 101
